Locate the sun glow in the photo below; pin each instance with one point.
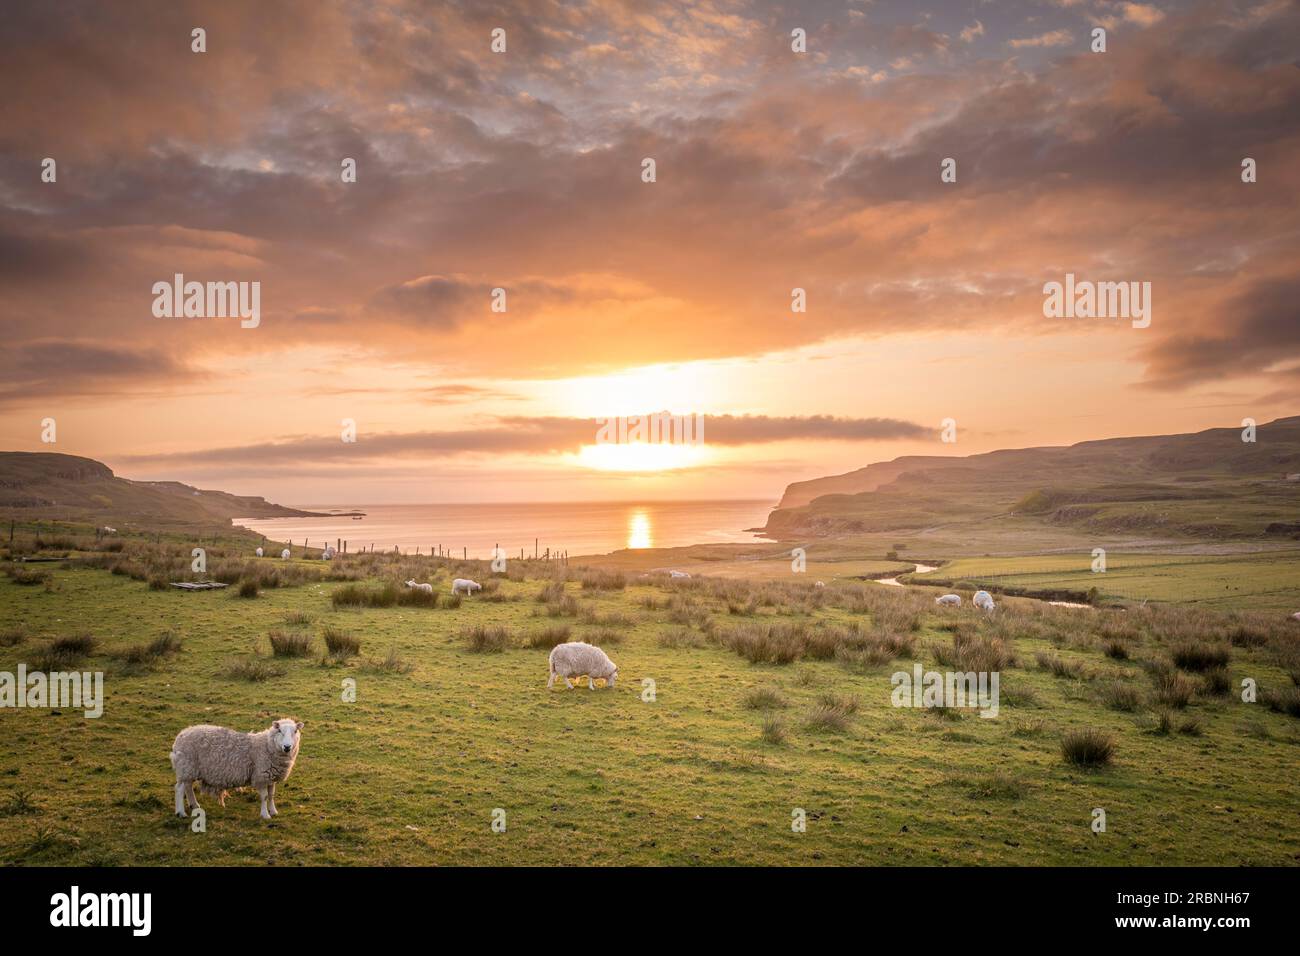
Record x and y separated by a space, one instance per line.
639 532
641 456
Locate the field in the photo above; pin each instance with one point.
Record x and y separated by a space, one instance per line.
1265 581
703 771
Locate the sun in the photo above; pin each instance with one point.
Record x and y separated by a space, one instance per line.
641 456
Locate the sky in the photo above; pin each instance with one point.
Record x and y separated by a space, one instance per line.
524 171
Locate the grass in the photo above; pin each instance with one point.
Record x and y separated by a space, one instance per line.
1087 748
290 644
436 725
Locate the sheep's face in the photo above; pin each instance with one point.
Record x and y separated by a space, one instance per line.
285 734
613 676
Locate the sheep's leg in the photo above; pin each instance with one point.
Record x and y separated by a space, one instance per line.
591 682
568 683
550 681
189 793
265 815
270 794
180 799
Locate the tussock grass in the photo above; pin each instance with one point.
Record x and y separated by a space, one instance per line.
485 638
549 637
1087 747
1200 657
340 643
774 731
1119 695
164 645
764 698
290 643
251 669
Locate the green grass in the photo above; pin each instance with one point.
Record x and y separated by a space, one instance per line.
705 772
1268 580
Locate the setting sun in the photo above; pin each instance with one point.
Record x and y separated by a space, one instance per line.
642 456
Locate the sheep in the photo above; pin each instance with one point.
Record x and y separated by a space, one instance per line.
426 588
285 554
258 552
466 585
983 600
574 659
819 584
950 600
678 574
1296 616
220 759
328 553
108 530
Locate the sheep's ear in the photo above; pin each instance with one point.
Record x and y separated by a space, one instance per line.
275 725
299 725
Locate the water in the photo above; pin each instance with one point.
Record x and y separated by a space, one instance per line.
579 528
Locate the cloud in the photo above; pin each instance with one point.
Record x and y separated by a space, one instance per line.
1049 39
530 436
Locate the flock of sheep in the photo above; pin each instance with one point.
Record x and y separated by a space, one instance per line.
982 600
219 759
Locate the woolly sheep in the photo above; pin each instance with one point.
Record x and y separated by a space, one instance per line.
983 600
328 553
466 585
575 658
285 554
220 759
109 530
259 552
952 600
678 574
819 584
426 588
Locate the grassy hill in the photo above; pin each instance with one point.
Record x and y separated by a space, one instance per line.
36 485
769 697
1207 486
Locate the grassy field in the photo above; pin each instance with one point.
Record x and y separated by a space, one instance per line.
1265 581
704 773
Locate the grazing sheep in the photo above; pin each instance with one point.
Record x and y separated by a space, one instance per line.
426 588
285 554
678 574
108 530
575 658
258 552
466 585
983 600
220 759
950 600
328 553
819 584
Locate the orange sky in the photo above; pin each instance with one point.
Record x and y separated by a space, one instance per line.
522 171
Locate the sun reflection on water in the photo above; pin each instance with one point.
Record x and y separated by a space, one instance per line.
639 532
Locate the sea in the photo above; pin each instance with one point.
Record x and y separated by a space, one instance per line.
475 529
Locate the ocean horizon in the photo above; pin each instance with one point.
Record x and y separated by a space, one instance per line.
475 529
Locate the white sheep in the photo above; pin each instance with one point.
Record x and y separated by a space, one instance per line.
108 530
220 759
819 584
678 574
466 585
575 658
1296 616
950 600
328 553
258 552
983 600
285 554
426 588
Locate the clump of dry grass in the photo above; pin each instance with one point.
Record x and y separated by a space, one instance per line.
340 643
486 638
764 698
1087 747
289 643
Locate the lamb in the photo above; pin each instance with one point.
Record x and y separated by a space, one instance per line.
285 554
220 759
575 658
950 600
258 552
466 585
426 588
983 600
